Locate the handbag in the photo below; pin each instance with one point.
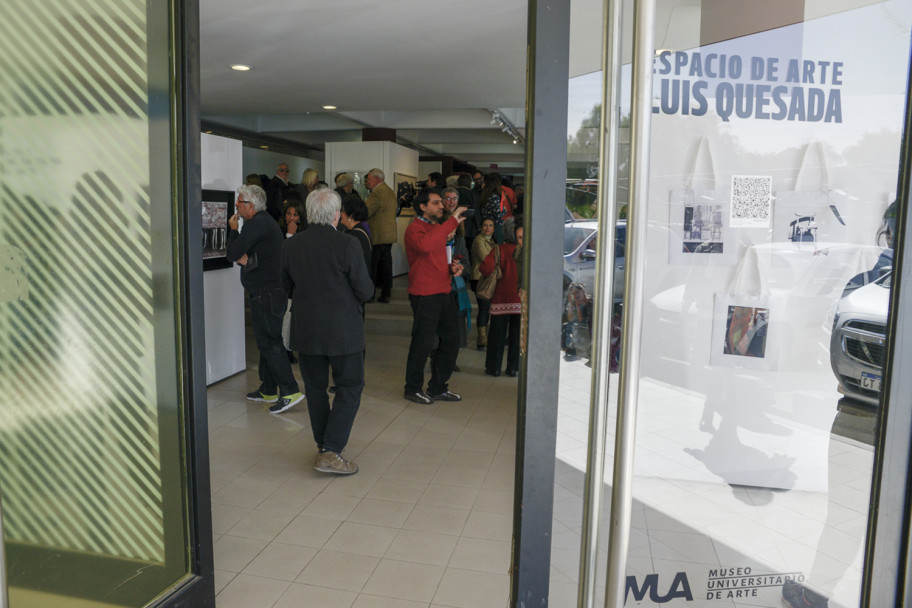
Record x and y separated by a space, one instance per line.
487 284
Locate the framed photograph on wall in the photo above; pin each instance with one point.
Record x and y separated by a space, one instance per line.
217 206
405 188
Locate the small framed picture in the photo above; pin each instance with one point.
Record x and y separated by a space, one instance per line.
217 206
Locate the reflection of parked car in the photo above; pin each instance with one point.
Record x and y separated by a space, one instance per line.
579 255
859 333
580 242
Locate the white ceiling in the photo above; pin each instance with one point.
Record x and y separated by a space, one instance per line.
430 69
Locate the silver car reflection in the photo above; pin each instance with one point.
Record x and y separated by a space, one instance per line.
859 333
579 255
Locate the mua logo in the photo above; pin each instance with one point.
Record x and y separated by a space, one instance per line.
680 587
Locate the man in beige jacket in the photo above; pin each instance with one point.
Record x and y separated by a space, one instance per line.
381 217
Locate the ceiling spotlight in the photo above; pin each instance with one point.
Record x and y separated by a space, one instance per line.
329 107
515 141
240 67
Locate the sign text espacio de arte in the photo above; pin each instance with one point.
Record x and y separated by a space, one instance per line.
761 88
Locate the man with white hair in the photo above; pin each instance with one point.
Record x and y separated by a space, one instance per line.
345 186
325 275
258 250
381 219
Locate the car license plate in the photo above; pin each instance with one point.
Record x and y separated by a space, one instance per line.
870 382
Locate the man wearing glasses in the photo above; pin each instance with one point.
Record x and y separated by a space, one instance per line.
258 250
276 190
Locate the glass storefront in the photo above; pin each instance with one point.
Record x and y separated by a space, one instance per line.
773 169
92 443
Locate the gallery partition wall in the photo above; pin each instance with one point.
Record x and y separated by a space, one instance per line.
732 428
103 469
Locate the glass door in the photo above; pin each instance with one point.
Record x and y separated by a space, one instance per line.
767 222
97 458
773 171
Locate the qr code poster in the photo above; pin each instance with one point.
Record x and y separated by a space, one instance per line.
751 201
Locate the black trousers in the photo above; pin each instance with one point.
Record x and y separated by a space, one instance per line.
497 339
435 324
267 310
382 268
332 424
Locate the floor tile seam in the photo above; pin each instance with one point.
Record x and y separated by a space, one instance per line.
272 605
410 511
233 576
374 569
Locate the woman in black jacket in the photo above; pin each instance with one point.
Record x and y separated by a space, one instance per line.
353 220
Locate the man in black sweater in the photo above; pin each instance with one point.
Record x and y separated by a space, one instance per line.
258 250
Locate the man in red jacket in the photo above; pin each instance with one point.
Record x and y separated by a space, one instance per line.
433 307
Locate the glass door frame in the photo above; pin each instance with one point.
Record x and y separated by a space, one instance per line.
198 589
888 549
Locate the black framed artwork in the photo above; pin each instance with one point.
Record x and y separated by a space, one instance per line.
217 207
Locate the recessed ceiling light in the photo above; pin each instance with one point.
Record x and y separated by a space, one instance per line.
329 107
264 147
240 67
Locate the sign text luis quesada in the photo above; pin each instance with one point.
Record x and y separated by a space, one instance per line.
762 88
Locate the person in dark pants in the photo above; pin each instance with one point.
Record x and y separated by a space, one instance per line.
324 274
258 249
435 315
381 213
506 307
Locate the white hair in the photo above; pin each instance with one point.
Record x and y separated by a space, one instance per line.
377 173
255 195
322 206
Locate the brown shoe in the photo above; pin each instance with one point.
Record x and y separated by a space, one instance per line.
331 462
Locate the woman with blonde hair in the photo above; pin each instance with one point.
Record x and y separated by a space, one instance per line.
308 182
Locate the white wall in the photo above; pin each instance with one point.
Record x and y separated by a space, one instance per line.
263 161
222 291
389 157
426 167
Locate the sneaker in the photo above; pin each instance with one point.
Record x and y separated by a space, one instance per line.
286 402
258 396
419 397
330 462
446 396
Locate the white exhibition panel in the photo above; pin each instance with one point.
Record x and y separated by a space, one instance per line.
389 157
264 162
222 291
825 145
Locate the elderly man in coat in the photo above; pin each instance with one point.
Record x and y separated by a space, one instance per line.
324 274
381 218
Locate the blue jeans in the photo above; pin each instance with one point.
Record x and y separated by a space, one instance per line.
267 309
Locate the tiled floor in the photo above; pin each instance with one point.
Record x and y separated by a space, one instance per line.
427 521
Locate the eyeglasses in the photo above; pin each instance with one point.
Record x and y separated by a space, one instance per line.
283 171
451 198
240 202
